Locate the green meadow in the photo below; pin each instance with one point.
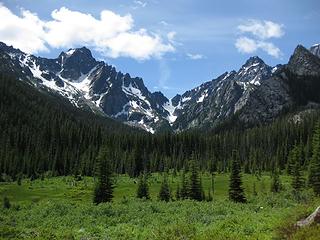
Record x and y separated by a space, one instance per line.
62 208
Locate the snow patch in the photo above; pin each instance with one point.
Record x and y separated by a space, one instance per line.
246 68
170 109
185 99
70 52
133 91
274 69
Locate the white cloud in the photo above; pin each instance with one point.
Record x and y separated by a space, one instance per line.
270 48
25 32
248 45
261 33
195 56
111 34
262 29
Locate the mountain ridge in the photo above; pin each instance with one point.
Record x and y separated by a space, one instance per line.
256 92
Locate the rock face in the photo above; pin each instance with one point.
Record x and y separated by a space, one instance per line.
256 93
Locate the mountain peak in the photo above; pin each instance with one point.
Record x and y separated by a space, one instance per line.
76 61
303 62
254 60
300 48
77 52
253 71
315 50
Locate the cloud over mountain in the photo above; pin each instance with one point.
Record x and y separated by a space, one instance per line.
260 34
111 34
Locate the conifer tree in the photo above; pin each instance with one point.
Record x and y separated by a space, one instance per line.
104 189
314 168
275 184
236 192
143 188
195 191
184 191
164 194
297 178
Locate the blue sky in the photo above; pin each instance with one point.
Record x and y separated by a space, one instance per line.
173 45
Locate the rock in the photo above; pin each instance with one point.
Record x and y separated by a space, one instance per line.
313 218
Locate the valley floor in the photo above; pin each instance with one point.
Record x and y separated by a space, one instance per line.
61 208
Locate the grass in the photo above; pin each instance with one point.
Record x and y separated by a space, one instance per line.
61 208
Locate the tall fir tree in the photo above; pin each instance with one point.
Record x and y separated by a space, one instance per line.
275 182
184 191
314 168
104 189
297 178
164 193
195 190
143 188
236 192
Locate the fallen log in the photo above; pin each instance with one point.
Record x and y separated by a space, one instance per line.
312 218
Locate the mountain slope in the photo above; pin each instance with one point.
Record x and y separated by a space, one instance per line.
41 131
76 75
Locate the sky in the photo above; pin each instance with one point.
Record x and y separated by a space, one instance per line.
174 45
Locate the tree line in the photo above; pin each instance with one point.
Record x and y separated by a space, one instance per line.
191 184
42 134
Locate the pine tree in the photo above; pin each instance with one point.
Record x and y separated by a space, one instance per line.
104 189
297 178
195 191
143 188
236 192
314 168
164 194
275 184
184 191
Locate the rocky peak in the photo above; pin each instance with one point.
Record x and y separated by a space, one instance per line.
254 60
315 50
253 71
159 98
175 100
303 62
76 62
